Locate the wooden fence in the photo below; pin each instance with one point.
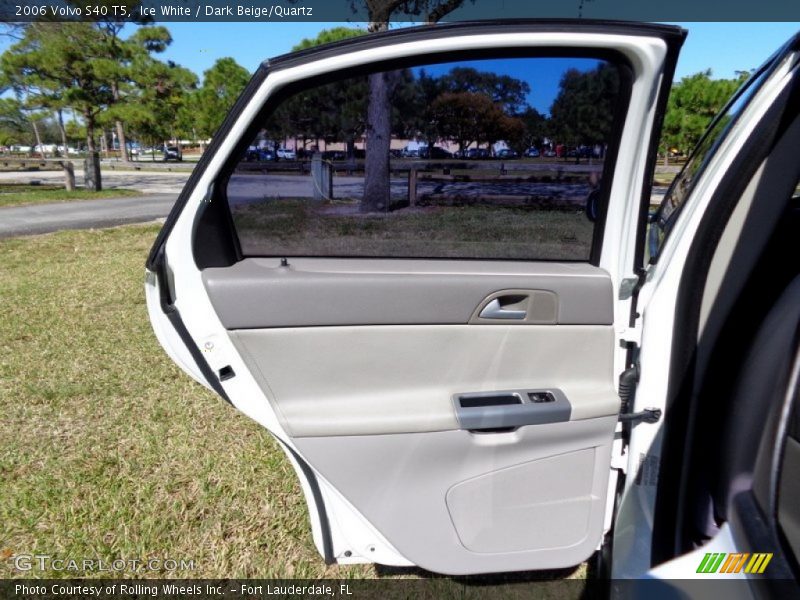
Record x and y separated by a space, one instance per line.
38 163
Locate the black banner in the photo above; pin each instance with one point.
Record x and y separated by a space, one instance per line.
503 586
276 11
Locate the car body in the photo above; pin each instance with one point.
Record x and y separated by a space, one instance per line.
255 153
507 154
477 153
434 152
285 154
69 150
532 152
488 414
172 153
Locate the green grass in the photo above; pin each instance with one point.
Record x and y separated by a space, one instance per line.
107 450
295 227
18 195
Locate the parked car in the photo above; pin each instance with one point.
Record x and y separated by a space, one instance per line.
435 152
478 153
507 154
636 405
334 155
172 153
285 154
255 153
532 152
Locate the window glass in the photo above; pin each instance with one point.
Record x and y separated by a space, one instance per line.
489 158
669 209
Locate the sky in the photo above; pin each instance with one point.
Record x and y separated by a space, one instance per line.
541 74
722 47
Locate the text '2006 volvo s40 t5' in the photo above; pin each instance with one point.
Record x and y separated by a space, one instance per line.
497 365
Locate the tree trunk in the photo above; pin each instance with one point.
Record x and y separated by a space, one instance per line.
123 148
91 167
123 144
376 167
63 131
202 142
69 175
378 131
38 138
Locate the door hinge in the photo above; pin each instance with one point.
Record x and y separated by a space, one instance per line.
631 336
648 415
628 380
627 286
631 285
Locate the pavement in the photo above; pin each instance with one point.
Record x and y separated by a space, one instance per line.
147 182
83 214
161 188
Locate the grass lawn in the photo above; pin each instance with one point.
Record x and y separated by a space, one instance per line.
108 451
17 194
296 228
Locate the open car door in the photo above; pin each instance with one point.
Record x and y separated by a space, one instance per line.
439 364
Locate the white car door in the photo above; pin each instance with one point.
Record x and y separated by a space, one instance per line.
441 375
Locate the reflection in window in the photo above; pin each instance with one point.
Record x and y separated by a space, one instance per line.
475 159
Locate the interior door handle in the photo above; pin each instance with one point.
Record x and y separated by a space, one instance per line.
496 310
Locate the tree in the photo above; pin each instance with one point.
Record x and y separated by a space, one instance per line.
692 104
501 89
379 120
13 123
333 112
583 112
162 101
415 99
462 116
85 66
68 64
222 85
328 36
536 127
467 117
132 59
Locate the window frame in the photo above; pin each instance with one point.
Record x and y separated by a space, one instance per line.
750 86
610 56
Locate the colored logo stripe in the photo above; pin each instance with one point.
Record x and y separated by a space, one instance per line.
758 563
713 562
